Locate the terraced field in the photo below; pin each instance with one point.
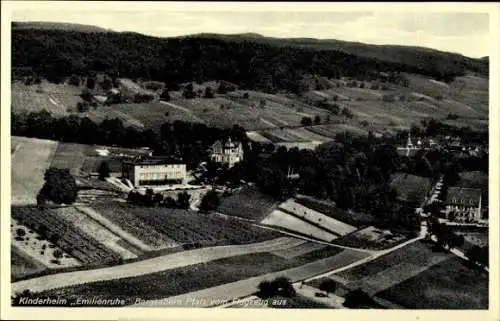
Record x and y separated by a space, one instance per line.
194 229
317 218
292 223
98 232
69 238
132 224
248 203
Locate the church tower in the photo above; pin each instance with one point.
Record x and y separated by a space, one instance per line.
409 144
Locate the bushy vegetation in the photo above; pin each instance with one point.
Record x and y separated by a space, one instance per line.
59 187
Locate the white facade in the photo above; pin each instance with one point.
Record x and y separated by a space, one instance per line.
143 174
228 153
465 207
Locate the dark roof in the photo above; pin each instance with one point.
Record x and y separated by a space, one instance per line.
411 188
159 160
463 194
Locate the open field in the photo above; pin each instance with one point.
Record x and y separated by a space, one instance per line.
153 115
212 109
70 156
29 162
450 284
317 218
331 130
329 209
249 203
98 232
292 223
22 265
298 250
418 253
56 99
196 229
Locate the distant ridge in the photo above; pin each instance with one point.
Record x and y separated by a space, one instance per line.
58 26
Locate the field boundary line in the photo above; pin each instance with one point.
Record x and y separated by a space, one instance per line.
113 228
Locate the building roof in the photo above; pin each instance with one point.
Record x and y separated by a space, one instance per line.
227 143
411 188
157 160
463 194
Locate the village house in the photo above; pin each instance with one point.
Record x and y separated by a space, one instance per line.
227 152
463 204
154 172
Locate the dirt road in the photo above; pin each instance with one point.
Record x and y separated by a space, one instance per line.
152 265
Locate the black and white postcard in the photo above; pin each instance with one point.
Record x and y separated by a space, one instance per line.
253 157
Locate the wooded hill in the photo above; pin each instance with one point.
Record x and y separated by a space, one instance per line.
249 60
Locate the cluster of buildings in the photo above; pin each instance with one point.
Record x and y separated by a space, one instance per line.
165 171
447 142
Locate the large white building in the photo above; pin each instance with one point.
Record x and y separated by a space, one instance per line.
464 203
227 152
154 172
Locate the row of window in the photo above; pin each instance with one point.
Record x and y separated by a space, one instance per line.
159 182
462 201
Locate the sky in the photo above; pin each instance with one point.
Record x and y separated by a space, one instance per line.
466 33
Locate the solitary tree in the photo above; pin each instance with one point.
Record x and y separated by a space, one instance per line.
74 80
210 201
165 95
188 92
328 285
103 171
183 200
90 82
59 187
208 92
306 121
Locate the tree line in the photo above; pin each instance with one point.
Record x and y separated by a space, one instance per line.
190 141
57 54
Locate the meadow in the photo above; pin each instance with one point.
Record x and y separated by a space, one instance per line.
29 162
248 203
450 284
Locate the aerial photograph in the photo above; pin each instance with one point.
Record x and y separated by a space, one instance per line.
260 159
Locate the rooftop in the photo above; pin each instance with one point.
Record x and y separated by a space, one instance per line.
462 193
158 160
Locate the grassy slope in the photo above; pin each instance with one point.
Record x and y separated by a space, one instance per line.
248 203
448 285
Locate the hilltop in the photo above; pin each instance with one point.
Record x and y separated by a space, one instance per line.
58 26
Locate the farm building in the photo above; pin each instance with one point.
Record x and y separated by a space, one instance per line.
155 171
412 190
227 152
464 203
